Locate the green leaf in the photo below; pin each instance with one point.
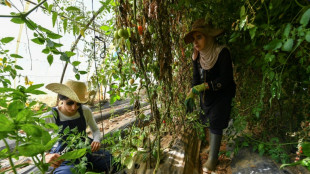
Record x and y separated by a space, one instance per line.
17 20
33 87
70 53
271 75
7 40
291 164
79 18
245 144
65 24
32 130
307 37
51 125
128 44
44 29
37 92
54 18
269 57
3 103
304 20
30 149
288 45
4 153
83 72
50 7
55 51
306 148
31 25
243 21
72 8
91 173
57 45
50 59
273 45
3 90
16 56
15 107
287 30
234 37
6 125
77 76
113 98
75 154
18 67
53 35
49 43
76 63
252 32
64 57
46 51
50 143
242 11
38 40
12 73
44 139
45 4
261 149
128 161
104 27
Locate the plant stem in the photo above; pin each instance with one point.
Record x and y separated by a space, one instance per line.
158 153
10 158
38 5
266 12
300 5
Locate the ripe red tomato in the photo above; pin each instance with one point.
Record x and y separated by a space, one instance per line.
164 121
140 29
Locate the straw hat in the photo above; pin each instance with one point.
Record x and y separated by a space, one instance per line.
75 90
203 27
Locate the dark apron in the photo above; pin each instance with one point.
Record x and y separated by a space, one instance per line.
100 161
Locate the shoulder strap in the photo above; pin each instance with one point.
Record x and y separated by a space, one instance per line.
56 117
80 110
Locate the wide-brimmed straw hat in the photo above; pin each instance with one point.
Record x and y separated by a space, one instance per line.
75 90
203 27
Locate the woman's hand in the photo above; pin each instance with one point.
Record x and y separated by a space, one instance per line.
95 146
52 158
195 54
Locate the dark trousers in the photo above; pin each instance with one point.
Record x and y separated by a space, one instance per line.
99 161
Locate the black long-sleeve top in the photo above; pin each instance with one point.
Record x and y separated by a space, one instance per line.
219 78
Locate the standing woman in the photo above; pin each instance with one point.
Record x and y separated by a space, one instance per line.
71 113
213 81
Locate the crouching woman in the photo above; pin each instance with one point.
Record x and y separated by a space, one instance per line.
72 114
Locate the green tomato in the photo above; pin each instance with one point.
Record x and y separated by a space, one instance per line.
154 36
125 34
116 36
151 29
120 32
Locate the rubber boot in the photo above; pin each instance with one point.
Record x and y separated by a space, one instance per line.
215 143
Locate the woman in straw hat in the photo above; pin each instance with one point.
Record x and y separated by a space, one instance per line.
71 113
213 81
